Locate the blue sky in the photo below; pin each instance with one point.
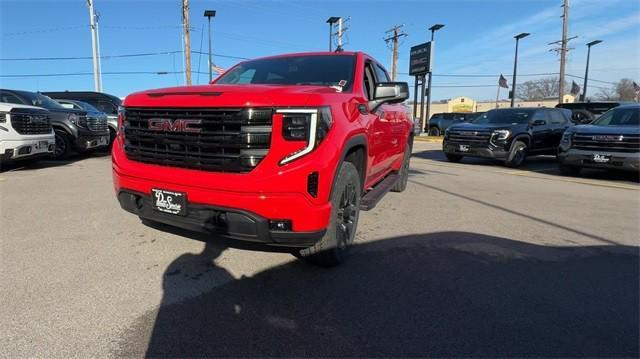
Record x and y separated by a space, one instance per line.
477 38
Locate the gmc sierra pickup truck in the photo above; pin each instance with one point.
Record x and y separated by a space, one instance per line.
283 151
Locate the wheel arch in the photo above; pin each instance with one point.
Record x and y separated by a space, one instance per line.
355 151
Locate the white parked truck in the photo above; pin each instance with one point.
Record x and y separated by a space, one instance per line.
25 132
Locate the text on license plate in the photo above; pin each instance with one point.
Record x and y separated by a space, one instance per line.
598 158
169 201
463 148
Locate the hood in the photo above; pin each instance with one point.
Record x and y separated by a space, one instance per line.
230 96
607 130
476 127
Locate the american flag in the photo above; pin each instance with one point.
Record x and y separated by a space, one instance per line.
575 89
502 82
636 88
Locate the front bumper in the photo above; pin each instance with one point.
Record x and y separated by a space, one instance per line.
19 149
475 150
88 140
226 222
581 158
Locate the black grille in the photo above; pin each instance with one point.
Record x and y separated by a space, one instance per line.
606 142
97 124
30 123
229 140
474 137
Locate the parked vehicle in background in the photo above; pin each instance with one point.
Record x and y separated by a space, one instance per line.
610 142
25 132
103 102
509 135
585 112
72 130
282 151
439 122
95 119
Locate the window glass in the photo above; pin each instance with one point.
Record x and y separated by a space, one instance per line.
381 74
9 98
369 82
620 117
556 117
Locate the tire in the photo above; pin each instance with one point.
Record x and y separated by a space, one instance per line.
517 155
453 158
333 248
569 170
434 131
403 174
63 145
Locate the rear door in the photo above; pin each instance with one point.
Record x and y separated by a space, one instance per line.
542 134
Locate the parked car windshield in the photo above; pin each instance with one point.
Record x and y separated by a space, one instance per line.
619 117
87 107
505 116
325 70
40 100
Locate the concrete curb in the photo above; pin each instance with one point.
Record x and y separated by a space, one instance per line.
428 139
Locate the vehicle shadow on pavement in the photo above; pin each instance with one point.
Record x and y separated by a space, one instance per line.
46 162
537 164
436 294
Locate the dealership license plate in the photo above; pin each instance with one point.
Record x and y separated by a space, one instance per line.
463 148
598 158
169 201
103 141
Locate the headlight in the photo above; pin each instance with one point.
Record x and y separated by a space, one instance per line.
566 137
73 118
308 124
3 117
501 135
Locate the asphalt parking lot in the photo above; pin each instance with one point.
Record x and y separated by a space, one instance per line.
473 259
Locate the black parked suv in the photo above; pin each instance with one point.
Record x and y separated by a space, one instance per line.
610 142
585 112
73 131
439 122
509 135
103 102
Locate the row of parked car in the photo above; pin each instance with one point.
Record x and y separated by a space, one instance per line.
610 141
55 124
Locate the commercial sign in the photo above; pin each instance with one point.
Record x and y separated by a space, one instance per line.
420 59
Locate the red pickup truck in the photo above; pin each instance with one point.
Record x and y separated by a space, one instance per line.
283 151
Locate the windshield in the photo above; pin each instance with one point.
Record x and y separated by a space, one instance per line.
87 107
41 100
619 117
325 70
506 116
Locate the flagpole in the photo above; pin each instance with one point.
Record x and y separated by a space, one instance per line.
498 96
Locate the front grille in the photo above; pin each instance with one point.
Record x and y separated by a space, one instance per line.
97 124
228 140
606 142
474 137
30 123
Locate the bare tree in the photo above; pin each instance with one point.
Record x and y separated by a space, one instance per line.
625 90
540 89
606 94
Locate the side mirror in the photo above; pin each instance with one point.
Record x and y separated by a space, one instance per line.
538 123
389 92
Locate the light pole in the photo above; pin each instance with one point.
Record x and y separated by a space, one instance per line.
332 20
586 70
515 67
209 14
433 30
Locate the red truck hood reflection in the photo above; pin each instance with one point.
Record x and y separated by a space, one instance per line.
227 96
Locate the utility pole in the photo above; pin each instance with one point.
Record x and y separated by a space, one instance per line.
563 49
187 43
394 52
93 21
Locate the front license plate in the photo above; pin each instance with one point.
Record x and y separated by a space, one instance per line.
103 141
169 202
463 148
598 158
43 144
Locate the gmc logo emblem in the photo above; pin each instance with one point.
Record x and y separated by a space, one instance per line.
169 125
607 138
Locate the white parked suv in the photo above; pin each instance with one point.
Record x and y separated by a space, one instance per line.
25 131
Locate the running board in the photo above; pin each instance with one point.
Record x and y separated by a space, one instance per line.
371 198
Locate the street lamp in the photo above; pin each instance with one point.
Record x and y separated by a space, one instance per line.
209 14
332 20
586 71
515 67
433 30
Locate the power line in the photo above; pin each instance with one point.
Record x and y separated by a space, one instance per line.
115 56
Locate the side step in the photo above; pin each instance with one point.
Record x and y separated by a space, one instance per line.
371 198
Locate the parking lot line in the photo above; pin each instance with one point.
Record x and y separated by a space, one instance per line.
530 174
